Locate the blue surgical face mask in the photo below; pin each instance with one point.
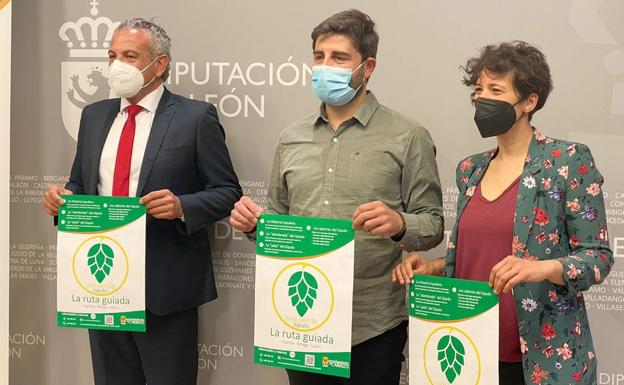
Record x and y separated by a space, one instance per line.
331 84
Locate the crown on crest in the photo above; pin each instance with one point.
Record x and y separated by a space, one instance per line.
88 37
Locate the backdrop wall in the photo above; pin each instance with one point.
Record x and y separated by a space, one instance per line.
252 59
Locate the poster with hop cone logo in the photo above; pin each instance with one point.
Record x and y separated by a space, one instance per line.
453 329
304 294
101 263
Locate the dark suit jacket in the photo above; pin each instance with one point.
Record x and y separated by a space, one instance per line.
185 153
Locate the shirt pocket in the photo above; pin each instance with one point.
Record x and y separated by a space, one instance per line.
373 175
301 171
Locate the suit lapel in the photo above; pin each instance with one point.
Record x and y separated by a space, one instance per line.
527 192
473 181
160 125
475 177
528 195
91 187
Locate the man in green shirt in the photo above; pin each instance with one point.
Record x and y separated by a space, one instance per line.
357 159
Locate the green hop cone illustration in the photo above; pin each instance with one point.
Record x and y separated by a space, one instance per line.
451 357
302 287
100 260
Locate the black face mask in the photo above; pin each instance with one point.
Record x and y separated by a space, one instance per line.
494 117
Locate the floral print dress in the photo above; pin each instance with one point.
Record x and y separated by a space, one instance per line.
559 215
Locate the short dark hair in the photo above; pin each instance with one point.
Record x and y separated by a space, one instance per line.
354 24
526 63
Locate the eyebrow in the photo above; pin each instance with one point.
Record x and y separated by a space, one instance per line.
334 53
128 51
494 84
490 85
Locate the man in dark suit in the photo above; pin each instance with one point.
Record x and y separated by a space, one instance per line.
170 151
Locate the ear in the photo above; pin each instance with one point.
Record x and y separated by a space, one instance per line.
531 102
369 67
161 65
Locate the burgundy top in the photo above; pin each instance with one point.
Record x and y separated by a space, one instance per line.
485 236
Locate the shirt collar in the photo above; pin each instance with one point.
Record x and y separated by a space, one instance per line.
149 101
362 115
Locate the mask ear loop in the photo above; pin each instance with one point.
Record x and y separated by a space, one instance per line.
148 83
152 62
363 78
521 115
358 67
146 67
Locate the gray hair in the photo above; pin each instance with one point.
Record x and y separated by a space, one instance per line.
160 41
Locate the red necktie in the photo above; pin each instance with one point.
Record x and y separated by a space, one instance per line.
121 176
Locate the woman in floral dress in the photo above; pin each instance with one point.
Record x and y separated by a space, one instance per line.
530 221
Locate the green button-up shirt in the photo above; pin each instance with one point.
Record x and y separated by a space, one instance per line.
378 154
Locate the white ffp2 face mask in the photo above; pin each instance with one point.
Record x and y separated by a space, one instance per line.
125 80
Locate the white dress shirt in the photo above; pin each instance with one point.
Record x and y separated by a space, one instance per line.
143 121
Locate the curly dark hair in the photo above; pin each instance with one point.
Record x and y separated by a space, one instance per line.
354 24
526 63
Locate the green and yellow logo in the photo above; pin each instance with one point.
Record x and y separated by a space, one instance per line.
303 297
100 265
100 260
450 357
302 288
451 354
